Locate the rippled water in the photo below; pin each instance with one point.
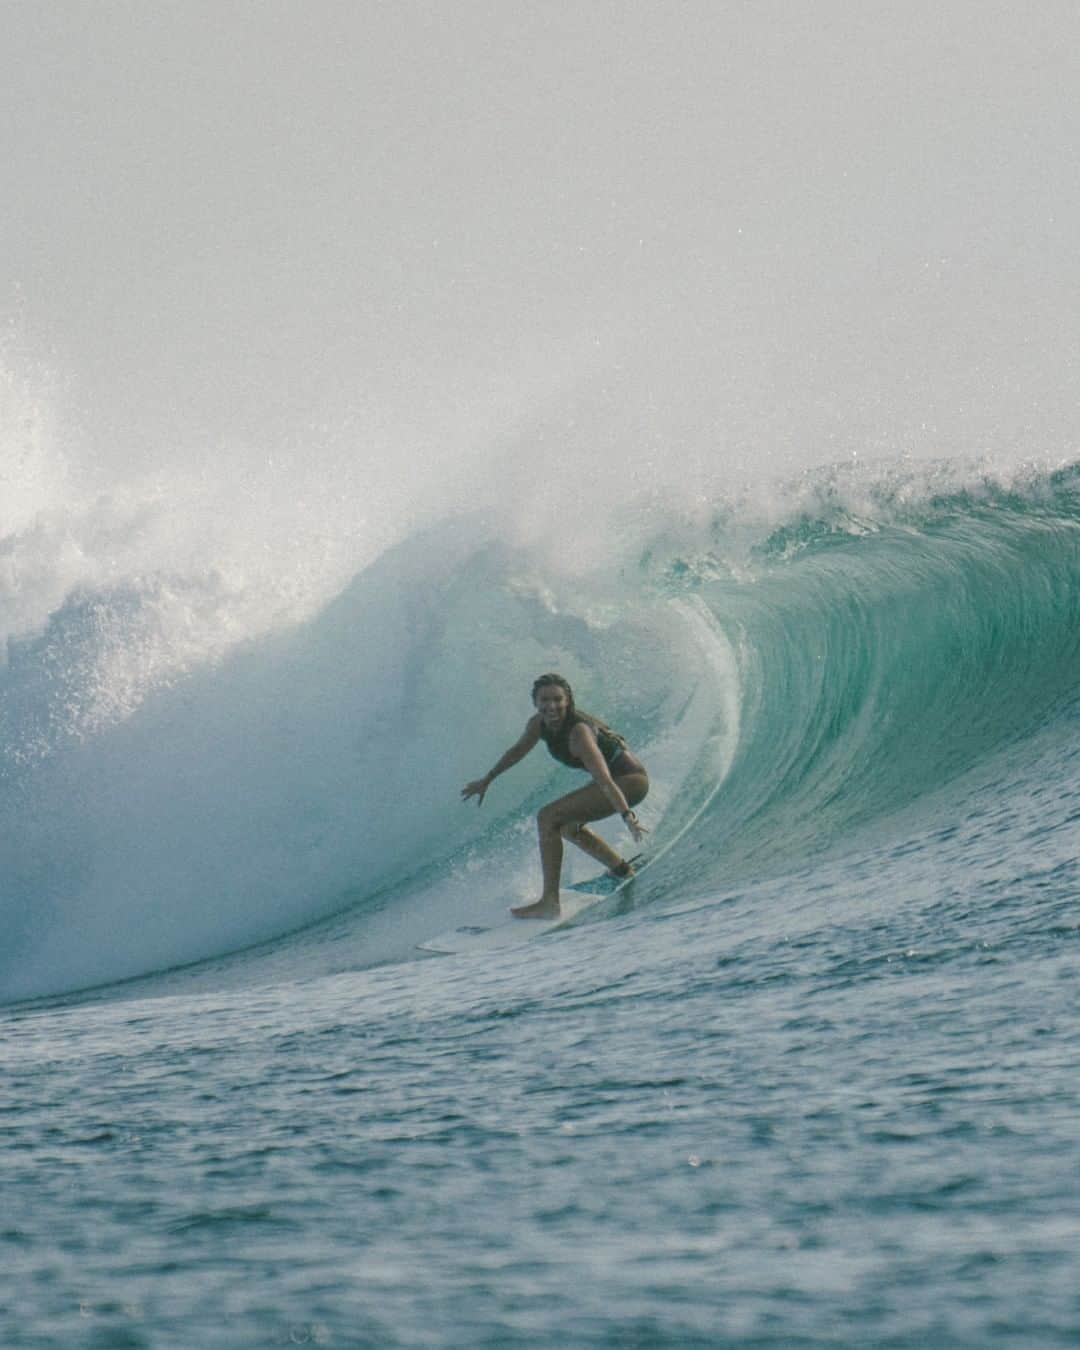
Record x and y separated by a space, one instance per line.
837 1108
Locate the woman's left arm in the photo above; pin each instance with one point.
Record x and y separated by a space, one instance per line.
583 745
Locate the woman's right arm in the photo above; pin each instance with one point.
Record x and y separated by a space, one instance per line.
517 751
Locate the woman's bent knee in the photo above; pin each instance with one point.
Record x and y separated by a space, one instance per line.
547 819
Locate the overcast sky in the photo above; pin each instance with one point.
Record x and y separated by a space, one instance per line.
736 221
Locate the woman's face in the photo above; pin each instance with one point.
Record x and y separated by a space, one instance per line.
552 703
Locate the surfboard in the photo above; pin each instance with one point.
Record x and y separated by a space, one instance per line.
506 931
606 884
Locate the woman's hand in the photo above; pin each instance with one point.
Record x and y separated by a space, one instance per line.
637 830
476 788
518 750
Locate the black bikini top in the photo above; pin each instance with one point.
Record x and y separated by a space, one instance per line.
610 742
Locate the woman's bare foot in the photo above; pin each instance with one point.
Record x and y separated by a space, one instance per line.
539 909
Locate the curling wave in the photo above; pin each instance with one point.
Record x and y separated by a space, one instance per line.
787 684
888 648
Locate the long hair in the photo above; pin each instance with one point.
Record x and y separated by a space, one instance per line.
551 678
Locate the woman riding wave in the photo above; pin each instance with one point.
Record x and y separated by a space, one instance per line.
583 742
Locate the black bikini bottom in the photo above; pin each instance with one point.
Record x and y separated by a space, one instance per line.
626 762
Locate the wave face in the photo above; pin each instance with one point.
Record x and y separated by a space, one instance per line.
889 646
793 676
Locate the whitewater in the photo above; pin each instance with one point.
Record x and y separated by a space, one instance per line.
357 365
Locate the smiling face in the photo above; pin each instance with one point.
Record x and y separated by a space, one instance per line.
552 703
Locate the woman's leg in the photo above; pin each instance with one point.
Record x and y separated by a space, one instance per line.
592 844
586 804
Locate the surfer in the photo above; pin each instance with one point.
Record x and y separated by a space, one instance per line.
619 783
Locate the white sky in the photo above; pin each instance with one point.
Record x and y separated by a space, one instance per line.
742 227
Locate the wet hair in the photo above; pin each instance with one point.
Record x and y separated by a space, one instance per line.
550 678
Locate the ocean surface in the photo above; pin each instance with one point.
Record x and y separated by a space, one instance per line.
812 1080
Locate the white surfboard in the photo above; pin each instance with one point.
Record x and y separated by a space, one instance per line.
506 931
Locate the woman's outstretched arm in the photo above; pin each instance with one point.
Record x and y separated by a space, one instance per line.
517 751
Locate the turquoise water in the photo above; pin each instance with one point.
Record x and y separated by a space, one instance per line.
812 1081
